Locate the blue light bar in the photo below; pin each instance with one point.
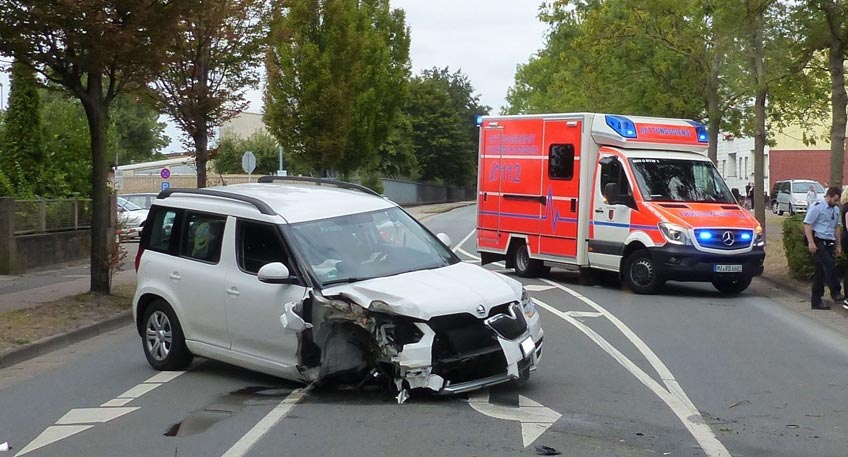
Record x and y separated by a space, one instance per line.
705 235
700 131
745 236
623 126
479 120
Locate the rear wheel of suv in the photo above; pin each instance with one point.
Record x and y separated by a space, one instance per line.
732 286
524 265
163 340
641 273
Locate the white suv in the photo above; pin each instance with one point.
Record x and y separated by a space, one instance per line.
324 283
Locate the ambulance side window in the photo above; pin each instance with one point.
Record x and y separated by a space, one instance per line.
561 162
613 172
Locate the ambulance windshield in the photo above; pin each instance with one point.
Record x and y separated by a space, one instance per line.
680 180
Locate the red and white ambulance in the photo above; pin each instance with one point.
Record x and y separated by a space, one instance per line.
633 195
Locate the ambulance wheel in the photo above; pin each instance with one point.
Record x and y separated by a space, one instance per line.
641 273
524 265
732 286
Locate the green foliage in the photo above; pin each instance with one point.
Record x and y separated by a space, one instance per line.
797 255
135 133
337 79
21 146
372 181
263 145
442 110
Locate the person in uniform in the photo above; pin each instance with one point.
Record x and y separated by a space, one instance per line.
824 242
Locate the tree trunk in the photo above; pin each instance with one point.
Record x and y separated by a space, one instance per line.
102 232
201 149
839 101
758 57
713 109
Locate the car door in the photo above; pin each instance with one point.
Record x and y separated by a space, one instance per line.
197 275
613 204
254 307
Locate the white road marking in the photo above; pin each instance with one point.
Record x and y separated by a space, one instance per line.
52 434
674 397
165 376
537 288
267 423
459 245
583 314
116 402
93 415
139 390
535 418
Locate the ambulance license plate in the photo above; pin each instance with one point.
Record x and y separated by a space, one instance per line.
727 268
527 347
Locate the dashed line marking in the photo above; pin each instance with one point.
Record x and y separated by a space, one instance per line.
139 390
93 415
116 402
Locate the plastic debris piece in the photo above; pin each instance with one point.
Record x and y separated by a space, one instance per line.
4 446
546 450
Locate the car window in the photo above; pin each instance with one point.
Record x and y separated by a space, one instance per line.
161 227
139 200
202 237
257 245
128 205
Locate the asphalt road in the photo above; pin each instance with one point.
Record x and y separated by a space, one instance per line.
685 373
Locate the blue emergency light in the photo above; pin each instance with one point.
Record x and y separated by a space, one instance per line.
622 126
479 120
745 236
705 235
700 132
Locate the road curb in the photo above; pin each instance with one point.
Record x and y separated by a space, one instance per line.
52 343
429 215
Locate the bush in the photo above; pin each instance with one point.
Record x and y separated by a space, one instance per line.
797 256
372 181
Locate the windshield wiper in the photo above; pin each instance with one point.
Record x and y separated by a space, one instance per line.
348 280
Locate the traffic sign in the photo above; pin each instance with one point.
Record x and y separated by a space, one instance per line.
165 173
164 185
248 162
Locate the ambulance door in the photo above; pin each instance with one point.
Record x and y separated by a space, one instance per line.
613 204
560 188
488 189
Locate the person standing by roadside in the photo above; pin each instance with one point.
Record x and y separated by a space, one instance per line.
844 238
824 242
812 196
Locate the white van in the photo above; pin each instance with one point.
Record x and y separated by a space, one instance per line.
791 195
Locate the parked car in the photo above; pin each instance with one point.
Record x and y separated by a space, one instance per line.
143 200
324 283
791 195
131 219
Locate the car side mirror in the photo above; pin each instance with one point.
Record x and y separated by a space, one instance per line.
274 273
444 239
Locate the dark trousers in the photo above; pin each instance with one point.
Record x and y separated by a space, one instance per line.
825 271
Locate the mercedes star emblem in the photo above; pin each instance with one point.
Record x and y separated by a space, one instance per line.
728 238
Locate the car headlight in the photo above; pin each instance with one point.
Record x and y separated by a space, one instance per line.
527 304
674 234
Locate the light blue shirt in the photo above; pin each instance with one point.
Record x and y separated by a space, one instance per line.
823 219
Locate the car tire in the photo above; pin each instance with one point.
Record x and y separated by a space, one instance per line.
732 286
641 273
791 210
526 267
775 208
163 340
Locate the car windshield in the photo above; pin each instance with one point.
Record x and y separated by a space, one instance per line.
369 245
128 205
804 187
680 180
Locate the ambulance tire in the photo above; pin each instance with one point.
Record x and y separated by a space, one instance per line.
526 267
732 287
641 273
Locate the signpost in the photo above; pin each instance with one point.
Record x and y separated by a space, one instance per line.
165 186
165 173
248 163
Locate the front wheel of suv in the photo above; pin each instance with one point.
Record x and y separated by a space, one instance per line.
163 340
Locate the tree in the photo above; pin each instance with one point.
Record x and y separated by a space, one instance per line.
96 49
213 58
337 79
136 135
262 145
21 145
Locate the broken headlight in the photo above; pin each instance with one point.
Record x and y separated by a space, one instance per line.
527 304
400 332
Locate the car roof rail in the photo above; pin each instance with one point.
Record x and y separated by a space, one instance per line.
319 182
263 207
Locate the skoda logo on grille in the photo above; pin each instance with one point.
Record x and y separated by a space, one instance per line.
728 239
481 310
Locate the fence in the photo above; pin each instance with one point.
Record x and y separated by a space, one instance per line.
399 191
35 233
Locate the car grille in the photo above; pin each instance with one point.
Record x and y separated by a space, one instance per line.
725 239
509 325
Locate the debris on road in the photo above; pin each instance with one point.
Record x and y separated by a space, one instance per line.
739 403
546 450
4 446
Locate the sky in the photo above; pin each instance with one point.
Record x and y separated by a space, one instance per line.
486 39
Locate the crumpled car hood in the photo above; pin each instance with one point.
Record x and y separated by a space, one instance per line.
424 294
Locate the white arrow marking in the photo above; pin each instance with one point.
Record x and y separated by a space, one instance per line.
51 435
535 418
92 415
537 288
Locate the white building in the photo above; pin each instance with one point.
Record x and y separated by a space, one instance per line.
735 161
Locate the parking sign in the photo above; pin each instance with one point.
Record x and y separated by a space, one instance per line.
165 185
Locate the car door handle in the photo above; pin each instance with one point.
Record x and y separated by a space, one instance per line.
233 291
599 210
175 276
